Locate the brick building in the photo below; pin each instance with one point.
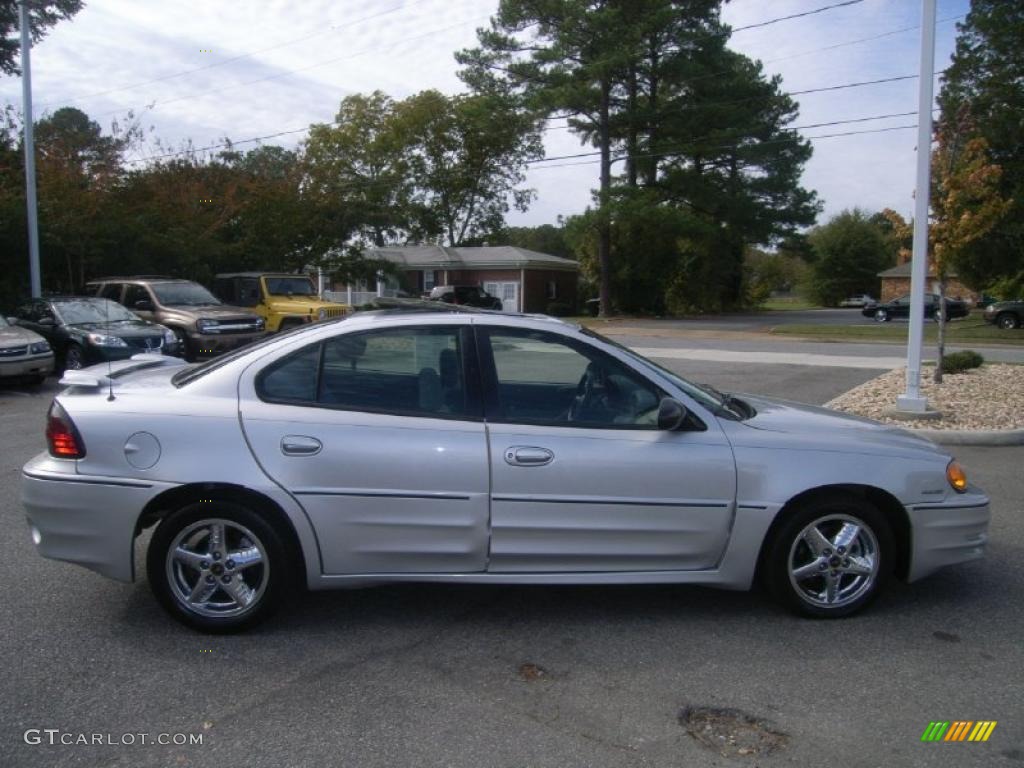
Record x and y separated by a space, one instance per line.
524 280
896 283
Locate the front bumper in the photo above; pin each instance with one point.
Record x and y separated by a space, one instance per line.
83 519
946 533
37 365
205 345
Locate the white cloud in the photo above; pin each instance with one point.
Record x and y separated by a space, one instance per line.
409 46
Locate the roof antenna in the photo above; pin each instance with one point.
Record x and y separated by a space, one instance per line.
110 365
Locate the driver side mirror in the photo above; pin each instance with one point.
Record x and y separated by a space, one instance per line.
12 320
144 304
47 320
671 414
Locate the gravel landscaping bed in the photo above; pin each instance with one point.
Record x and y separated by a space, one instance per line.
990 397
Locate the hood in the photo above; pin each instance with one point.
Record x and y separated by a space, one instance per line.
15 336
213 311
121 328
301 304
821 428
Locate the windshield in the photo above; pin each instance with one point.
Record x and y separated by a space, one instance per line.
290 286
91 311
704 394
183 294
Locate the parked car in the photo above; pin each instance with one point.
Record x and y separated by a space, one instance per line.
465 295
860 300
23 353
900 307
469 447
86 330
283 300
204 325
1007 315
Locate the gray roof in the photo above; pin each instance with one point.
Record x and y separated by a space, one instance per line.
481 257
903 270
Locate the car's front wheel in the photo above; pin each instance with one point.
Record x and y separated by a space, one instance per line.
881 316
217 566
830 558
1008 321
74 357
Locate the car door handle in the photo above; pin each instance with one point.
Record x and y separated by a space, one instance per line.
528 456
300 445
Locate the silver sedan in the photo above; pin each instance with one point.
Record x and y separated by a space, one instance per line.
476 447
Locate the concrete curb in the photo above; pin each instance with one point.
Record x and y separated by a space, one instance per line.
972 436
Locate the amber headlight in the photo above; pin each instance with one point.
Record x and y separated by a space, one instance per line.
956 476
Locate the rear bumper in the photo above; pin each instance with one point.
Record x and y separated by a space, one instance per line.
83 519
38 365
947 533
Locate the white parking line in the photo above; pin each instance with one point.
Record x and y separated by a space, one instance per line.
771 358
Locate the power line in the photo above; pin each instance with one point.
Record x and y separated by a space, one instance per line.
769 22
739 146
239 57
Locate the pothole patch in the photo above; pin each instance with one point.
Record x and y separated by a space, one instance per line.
532 672
732 732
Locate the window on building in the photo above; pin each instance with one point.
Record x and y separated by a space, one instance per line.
428 279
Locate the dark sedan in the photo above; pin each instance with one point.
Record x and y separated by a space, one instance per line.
1007 315
467 295
85 330
900 308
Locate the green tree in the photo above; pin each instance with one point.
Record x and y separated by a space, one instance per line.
545 238
985 85
466 157
850 251
360 163
42 14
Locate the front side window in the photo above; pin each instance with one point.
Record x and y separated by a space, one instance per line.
111 291
403 371
134 294
540 378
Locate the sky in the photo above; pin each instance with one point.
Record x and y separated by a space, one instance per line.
253 68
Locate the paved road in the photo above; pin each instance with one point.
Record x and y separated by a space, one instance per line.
430 675
748 321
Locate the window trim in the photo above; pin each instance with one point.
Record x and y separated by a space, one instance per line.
468 359
492 406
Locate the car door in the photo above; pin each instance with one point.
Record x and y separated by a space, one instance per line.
379 435
582 479
37 315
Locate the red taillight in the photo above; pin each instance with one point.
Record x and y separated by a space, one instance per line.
61 435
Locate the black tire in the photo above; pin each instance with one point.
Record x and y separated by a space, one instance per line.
74 357
184 346
269 580
788 544
881 316
1008 321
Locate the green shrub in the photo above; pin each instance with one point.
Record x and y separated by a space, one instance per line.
560 309
958 362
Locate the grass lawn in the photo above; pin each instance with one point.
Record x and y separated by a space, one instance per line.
796 303
960 332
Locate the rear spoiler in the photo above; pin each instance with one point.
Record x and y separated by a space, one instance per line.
102 375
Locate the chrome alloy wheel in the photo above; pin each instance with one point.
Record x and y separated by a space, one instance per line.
217 568
834 561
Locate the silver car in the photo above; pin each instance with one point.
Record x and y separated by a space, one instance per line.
24 353
452 446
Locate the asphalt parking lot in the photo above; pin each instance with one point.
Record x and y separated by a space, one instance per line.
511 676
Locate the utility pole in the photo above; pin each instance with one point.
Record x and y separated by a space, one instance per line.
30 151
912 400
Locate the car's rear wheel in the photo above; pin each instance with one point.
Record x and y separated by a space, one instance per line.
218 566
830 558
1008 321
881 316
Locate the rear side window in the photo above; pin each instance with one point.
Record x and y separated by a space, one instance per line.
110 291
401 371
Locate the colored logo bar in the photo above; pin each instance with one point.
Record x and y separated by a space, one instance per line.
959 730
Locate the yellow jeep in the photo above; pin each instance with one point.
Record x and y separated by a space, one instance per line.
283 300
